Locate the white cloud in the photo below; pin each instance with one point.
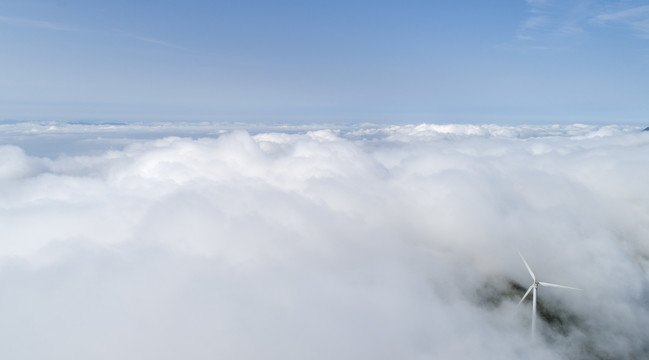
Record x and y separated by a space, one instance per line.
551 19
537 3
151 40
552 23
535 22
567 19
40 24
353 243
35 24
636 18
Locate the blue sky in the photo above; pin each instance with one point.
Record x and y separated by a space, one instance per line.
535 61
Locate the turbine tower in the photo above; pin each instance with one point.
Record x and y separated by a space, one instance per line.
533 288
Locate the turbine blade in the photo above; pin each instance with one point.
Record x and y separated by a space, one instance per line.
527 266
558 286
526 293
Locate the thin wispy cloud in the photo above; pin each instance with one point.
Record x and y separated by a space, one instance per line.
548 18
568 19
636 19
39 24
151 40
537 3
48 25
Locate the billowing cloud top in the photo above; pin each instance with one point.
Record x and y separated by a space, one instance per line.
199 241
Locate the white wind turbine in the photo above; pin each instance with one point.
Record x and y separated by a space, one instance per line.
533 288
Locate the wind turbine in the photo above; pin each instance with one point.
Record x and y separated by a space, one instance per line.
533 288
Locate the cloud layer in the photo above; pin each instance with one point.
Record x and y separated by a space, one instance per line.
395 242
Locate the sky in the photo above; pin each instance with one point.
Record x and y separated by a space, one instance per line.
384 242
503 62
323 179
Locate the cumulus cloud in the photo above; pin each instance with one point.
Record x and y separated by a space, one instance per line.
393 242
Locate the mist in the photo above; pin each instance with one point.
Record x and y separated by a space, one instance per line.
383 242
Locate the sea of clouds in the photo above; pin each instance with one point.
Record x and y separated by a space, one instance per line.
200 241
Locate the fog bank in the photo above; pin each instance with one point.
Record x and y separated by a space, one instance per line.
202 242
